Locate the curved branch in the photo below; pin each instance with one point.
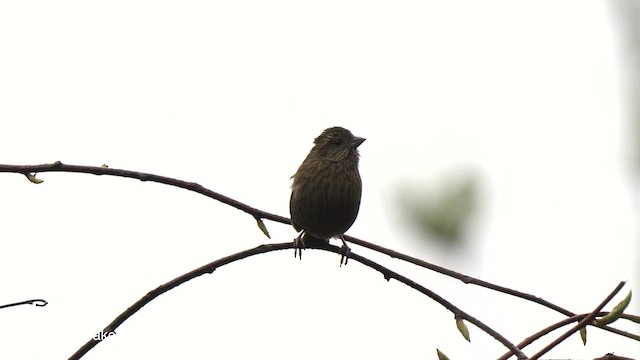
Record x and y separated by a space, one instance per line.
475 281
60 167
259 214
211 267
98 170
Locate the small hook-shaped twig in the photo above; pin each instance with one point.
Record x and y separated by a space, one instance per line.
36 302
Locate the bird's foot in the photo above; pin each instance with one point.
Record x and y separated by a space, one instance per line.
298 245
345 251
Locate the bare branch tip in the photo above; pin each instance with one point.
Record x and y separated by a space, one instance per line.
39 302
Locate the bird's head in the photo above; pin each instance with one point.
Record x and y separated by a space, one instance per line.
337 143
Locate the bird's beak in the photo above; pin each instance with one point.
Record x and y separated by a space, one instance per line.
357 141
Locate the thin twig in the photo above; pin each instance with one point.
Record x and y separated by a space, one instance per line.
36 302
530 339
582 323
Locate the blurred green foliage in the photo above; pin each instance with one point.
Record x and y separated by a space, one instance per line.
443 212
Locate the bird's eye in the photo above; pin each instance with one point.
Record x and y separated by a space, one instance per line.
336 141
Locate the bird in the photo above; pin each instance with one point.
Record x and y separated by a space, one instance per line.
326 190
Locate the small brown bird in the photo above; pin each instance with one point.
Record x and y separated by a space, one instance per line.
326 190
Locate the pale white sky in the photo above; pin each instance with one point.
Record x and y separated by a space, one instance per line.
231 95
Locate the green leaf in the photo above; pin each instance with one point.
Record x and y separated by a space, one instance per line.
464 330
263 227
33 178
616 312
441 355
